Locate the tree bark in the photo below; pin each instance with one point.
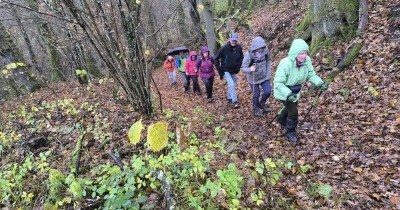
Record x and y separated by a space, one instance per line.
210 27
363 15
195 16
118 43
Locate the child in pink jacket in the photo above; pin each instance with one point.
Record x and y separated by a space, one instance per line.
191 71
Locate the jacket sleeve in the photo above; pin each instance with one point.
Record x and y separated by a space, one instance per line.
312 76
217 62
241 54
187 67
165 65
246 63
268 60
280 80
177 62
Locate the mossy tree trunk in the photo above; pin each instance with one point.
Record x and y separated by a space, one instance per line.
329 18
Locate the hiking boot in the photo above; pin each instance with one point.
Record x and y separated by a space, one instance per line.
291 125
209 100
265 108
292 137
258 112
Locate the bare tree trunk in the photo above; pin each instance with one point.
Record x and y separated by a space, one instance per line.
210 28
117 42
363 15
194 14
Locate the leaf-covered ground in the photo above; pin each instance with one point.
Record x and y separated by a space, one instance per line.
350 139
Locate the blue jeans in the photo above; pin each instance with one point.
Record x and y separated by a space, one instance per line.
172 77
185 80
266 86
231 80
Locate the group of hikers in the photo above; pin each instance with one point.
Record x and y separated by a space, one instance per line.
291 73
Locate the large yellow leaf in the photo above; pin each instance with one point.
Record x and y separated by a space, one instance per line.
157 136
11 66
135 131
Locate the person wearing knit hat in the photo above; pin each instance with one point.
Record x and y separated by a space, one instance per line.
169 67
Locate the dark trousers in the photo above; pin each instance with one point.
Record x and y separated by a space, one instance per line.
208 83
196 87
266 86
289 116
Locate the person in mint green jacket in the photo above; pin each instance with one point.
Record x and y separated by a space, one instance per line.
292 72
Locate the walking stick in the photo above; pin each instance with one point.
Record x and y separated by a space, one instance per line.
280 111
314 103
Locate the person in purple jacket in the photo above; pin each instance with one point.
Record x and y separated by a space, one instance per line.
205 66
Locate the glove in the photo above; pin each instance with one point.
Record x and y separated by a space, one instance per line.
291 97
324 86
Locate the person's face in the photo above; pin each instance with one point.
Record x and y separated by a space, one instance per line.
181 53
259 50
302 56
205 54
233 42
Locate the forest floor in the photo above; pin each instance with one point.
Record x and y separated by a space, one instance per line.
350 140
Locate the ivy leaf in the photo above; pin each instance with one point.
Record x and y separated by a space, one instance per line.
135 131
325 190
157 136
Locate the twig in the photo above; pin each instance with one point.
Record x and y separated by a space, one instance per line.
116 160
167 187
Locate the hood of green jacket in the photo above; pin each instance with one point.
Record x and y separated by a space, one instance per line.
257 43
298 45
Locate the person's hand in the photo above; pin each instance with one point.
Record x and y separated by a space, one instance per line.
324 86
252 68
291 97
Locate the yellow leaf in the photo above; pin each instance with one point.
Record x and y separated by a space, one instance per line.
147 52
157 136
84 72
373 91
101 81
20 64
137 2
5 71
78 72
135 131
11 66
200 7
358 169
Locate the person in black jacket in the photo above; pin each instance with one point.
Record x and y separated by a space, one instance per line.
228 62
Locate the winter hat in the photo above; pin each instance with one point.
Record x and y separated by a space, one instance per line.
169 57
